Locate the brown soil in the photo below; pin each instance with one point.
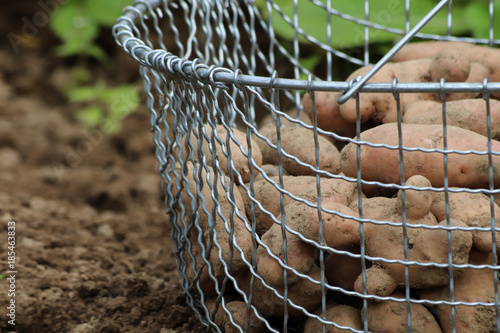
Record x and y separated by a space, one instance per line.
93 251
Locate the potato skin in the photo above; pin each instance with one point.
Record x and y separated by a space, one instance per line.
337 231
238 158
299 142
469 114
475 53
226 205
341 314
486 56
328 113
383 164
423 245
379 281
342 270
194 268
391 317
478 72
475 285
381 107
292 113
238 311
302 293
417 203
474 209
301 218
332 189
300 256
450 65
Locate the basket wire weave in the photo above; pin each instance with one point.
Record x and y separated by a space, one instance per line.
209 63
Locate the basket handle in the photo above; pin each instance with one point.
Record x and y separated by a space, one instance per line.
363 79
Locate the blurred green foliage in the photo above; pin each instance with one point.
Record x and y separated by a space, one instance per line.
312 18
107 105
477 17
468 17
78 24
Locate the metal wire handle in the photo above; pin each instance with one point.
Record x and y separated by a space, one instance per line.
360 81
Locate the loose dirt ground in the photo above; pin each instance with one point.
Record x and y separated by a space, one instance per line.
93 251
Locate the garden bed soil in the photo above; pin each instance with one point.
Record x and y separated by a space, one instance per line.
93 251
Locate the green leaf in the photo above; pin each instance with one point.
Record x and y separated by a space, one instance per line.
106 12
91 115
478 17
80 74
122 101
345 33
77 30
118 101
87 93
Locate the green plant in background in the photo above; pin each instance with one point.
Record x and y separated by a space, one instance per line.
469 18
108 105
477 15
78 24
312 19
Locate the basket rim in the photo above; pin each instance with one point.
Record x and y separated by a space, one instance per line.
176 67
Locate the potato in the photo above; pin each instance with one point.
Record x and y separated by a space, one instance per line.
270 170
478 72
382 107
343 315
379 281
301 218
417 202
202 279
342 270
303 293
383 164
195 182
475 210
268 195
300 256
299 142
475 285
424 246
450 65
188 197
475 53
469 114
431 246
238 312
414 109
391 317
337 231
328 113
222 151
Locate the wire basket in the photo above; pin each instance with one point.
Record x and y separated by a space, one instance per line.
271 232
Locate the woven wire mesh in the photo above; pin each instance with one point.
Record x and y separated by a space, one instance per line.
215 74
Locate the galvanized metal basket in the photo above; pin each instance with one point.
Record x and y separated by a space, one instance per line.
215 72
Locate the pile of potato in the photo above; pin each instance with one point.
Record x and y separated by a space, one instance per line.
375 240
